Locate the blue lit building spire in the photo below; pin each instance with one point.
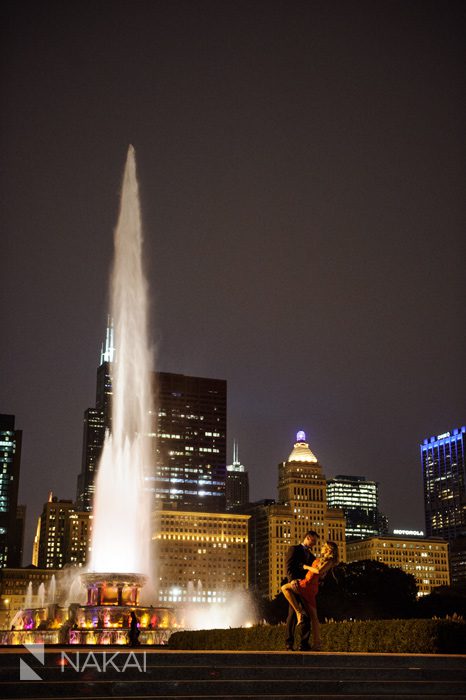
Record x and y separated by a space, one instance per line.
301 451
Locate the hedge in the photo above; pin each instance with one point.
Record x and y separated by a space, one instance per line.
379 636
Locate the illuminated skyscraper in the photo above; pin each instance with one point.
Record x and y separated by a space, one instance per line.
93 440
359 500
63 535
10 458
302 486
189 431
53 533
237 482
444 473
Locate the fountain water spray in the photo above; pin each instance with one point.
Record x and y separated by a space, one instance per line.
41 595
121 523
28 599
52 591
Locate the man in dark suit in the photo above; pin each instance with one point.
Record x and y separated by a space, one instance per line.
296 557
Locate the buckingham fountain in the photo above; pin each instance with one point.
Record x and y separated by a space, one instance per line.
120 562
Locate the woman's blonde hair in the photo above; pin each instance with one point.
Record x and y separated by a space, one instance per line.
334 551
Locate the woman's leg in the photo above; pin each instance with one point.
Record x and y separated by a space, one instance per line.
293 600
316 641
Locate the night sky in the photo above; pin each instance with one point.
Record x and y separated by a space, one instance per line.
302 175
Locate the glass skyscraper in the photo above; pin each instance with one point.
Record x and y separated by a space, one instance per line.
444 474
10 458
359 499
190 442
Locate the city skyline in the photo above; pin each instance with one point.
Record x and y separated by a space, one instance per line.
302 186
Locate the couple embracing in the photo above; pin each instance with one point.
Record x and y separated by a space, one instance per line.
304 571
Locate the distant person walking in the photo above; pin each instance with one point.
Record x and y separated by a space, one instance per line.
297 558
301 593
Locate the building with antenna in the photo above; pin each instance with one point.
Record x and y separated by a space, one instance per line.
237 482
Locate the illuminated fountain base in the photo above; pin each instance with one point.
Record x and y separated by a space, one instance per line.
103 619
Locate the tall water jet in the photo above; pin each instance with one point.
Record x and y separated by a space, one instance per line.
121 524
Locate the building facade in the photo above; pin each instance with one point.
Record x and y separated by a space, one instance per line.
63 535
458 559
425 558
20 529
10 460
259 545
78 538
358 498
200 557
94 425
190 442
237 483
444 476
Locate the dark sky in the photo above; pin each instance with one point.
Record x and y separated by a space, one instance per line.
302 170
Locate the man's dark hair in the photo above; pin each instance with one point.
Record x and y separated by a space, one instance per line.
311 533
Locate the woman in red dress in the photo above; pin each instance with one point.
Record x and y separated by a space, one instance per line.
301 593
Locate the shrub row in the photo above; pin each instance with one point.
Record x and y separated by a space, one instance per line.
379 636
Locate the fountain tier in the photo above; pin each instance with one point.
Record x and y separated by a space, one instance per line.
113 589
